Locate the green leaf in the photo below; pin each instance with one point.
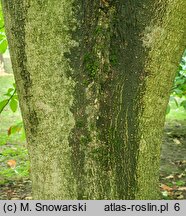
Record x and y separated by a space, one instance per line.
179 81
9 92
3 103
176 102
183 103
180 183
2 36
3 46
15 128
13 105
1 19
172 98
168 109
15 97
178 91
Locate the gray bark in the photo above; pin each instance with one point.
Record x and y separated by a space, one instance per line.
93 80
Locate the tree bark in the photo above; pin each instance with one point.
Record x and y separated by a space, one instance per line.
93 79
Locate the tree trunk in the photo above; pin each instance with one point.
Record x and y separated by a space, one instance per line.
93 79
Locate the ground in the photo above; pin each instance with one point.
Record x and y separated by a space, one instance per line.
14 163
173 160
